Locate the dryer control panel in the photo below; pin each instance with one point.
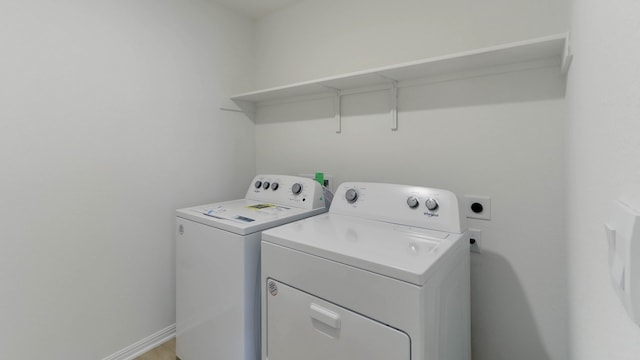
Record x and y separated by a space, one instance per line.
294 191
423 207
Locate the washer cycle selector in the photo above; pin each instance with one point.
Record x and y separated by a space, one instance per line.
296 189
413 202
351 195
432 204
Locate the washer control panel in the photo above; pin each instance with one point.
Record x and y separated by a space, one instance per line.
286 190
423 207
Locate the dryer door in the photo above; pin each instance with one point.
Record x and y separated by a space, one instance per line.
302 326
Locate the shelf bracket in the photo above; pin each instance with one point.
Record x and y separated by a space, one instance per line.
337 105
394 105
567 55
239 106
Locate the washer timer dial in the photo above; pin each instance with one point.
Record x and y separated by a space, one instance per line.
296 189
351 195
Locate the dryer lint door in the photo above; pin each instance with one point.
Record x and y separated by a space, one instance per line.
302 326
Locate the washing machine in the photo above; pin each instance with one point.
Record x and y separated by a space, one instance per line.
384 275
218 265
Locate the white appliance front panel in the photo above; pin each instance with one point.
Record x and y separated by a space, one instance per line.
217 296
302 326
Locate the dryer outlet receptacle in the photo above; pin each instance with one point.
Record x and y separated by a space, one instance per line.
477 207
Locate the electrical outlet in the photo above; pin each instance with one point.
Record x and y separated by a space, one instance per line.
328 180
477 207
475 240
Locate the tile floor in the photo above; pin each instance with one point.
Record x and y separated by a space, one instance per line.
166 351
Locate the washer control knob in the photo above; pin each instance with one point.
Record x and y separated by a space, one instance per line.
258 184
296 189
274 186
432 204
265 185
351 195
413 202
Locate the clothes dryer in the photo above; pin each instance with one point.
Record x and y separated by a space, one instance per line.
383 275
218 265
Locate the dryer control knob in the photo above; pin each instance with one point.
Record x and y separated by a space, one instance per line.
265 185
274 186
258 184
432 204
296 189
413 202
351 195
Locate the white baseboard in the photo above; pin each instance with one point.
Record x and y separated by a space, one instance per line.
145 344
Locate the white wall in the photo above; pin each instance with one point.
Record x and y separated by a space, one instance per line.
499 136
604 165
109 122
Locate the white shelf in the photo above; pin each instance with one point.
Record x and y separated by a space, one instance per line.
547 51
552 48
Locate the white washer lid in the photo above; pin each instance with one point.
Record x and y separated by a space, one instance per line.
244 216
398 251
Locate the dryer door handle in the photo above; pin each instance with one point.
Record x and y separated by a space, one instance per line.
325 316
